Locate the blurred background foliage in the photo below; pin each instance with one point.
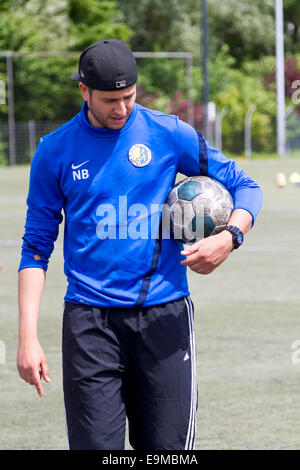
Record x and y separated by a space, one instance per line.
241 53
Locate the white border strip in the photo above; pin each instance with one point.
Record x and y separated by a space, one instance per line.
190 440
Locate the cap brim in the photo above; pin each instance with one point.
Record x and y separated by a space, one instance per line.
75 76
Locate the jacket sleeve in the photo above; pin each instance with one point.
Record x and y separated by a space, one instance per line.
45 201
197 157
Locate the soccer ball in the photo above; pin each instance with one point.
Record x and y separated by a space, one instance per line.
281 180
295 178
198 207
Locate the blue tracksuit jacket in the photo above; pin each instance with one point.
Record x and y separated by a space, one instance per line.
110 185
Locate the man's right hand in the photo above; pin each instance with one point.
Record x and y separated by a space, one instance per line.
32 364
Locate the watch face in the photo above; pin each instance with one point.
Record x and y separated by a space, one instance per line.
240 238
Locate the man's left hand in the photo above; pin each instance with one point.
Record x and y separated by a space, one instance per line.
206 255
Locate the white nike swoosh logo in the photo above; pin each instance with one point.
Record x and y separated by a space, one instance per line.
78 166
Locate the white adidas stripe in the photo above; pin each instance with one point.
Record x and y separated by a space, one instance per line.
193 348
194 372
195 397
189 445
190 427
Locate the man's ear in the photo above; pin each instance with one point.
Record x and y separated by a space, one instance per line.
84 91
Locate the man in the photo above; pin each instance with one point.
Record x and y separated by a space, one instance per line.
128 338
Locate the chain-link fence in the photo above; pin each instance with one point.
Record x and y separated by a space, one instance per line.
27 136
293 134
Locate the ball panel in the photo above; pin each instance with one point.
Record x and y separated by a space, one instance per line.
202 227
189 190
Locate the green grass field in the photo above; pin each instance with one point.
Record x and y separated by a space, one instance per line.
246 319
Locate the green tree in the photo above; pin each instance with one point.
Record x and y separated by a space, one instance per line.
247 27
42 85
92 20
168 26
154 23
34 25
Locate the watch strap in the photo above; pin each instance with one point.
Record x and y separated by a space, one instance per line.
237 236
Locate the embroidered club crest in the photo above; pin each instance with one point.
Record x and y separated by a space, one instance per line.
139 155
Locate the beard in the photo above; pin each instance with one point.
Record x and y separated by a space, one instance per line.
98 119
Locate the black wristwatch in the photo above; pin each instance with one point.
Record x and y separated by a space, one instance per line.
237 235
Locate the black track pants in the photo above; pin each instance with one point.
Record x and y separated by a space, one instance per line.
138 362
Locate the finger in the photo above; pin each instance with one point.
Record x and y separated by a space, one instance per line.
189 251
39 389
36 381
38 386
201 266
45 371
193 258
202 272
202 269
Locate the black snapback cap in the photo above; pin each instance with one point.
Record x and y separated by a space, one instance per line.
107 65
